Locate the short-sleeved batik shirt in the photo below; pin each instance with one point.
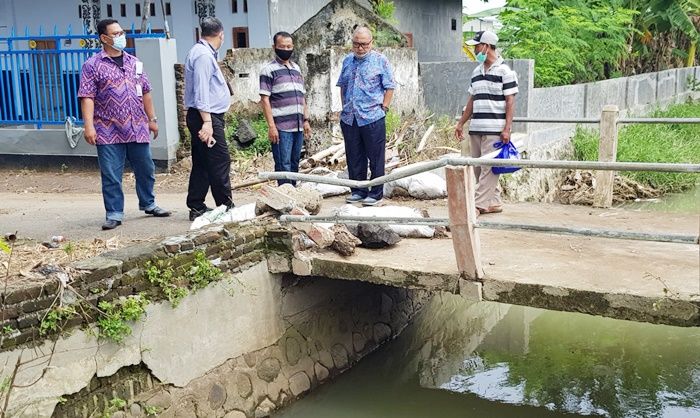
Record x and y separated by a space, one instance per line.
118 93
364 82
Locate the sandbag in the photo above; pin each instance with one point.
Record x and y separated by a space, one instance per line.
221 215
406 231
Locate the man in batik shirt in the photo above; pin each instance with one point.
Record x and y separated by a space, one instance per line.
119 117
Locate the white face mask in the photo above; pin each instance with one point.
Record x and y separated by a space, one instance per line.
119 42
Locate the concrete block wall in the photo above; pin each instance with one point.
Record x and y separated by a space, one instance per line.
445 85
245 345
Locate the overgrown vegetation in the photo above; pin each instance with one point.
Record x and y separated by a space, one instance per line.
576 41
162 275
571 41
112 322
260 146
176 286
662 143
56 318
385 9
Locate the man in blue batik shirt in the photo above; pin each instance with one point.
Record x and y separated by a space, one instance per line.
366 88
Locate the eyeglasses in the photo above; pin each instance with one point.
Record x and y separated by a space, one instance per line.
116 34
362 45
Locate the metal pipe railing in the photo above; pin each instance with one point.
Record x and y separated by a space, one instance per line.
462 161
658 120
585 232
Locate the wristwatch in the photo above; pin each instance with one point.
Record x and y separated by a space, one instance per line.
153 119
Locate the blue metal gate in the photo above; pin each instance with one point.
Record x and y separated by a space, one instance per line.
40 75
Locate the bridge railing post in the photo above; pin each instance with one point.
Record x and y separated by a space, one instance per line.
461 184
607 152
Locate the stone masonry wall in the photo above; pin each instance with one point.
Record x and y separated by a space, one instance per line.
245 345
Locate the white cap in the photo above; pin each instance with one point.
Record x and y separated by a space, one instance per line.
484 37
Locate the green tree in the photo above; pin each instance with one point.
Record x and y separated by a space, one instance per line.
571 41
666 34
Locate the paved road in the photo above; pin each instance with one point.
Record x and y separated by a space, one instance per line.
79 216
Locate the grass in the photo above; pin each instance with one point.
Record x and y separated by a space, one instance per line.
660 143
260 146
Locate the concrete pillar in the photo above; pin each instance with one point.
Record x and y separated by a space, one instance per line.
607 152
461 185
159 57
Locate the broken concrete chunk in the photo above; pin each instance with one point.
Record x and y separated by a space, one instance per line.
308 199
275 198
287 198
377 236
301 241
345 242
323 237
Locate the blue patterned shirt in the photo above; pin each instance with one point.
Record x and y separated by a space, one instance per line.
363 83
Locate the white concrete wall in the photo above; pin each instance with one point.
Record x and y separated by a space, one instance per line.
159 57
430 23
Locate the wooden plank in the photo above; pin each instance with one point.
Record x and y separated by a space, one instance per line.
607 152
462 209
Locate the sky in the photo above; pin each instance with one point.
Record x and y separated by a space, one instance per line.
475 6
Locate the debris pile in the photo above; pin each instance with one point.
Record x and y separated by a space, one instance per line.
578 188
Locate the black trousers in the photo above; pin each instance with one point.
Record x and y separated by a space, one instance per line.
364 143
211 167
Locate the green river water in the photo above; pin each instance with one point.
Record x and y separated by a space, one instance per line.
464 359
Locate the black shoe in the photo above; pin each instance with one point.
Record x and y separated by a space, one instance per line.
158 212
196 213
110 224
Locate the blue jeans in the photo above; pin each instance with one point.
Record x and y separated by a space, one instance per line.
111 159
287 153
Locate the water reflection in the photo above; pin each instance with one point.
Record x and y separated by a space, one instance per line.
461 359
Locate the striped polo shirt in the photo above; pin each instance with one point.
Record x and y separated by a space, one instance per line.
489 91
285 86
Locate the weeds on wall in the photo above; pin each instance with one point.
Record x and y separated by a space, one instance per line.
176 286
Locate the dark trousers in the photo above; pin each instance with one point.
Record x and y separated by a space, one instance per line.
211 167
363 143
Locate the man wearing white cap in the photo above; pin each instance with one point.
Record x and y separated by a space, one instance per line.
490 106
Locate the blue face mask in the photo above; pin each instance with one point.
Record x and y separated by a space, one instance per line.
119 42
481 57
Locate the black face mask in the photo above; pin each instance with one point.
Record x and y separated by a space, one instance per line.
284 54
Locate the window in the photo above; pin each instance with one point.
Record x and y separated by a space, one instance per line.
109 10
152 9
138 10
122 8
240 37
245 6
167 9
234 6
454 24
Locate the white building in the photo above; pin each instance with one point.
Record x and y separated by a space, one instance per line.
433 25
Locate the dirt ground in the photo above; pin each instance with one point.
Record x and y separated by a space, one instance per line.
38 205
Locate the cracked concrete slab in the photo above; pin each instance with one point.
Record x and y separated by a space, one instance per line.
635 280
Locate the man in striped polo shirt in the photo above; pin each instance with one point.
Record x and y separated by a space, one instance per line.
284 106
490 106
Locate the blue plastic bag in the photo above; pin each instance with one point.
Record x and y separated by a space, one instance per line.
508 152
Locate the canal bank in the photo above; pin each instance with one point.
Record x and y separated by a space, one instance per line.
462 359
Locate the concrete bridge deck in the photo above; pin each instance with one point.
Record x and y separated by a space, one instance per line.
635 280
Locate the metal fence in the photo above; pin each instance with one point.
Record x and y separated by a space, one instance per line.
40 75
461 188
